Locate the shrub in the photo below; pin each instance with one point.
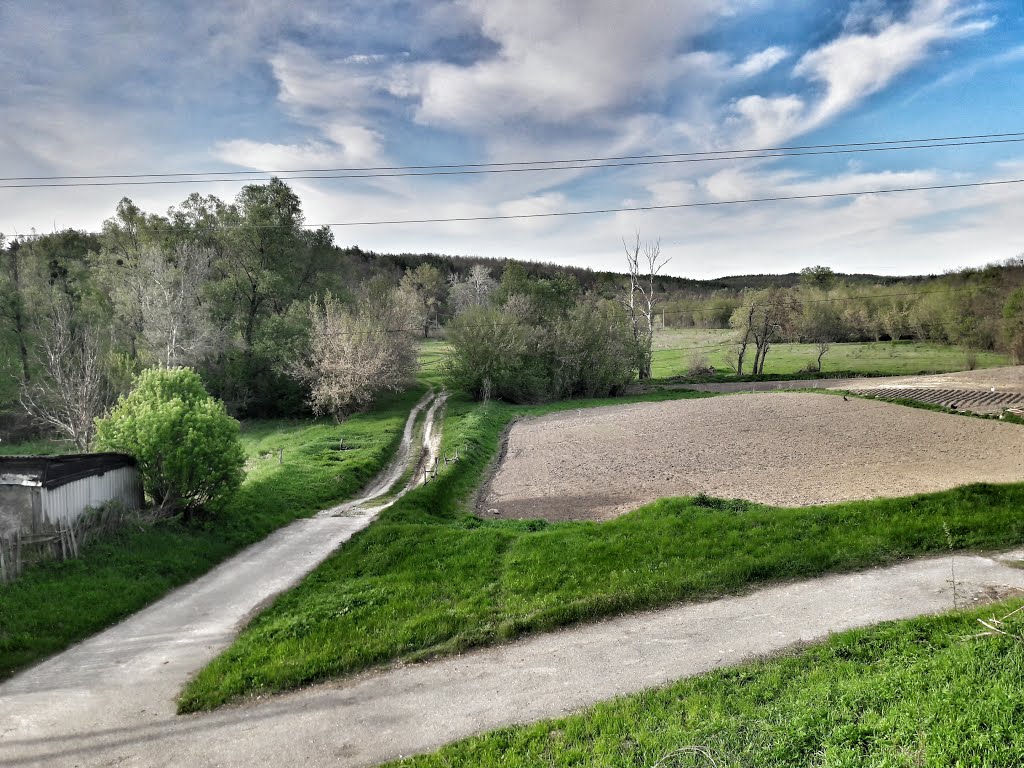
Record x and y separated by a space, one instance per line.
185 442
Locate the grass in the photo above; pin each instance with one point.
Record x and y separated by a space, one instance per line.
676 348
41 447
907 693
55 604
877 358
427 578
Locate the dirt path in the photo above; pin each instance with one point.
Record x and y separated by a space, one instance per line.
72 718
383 484
130 675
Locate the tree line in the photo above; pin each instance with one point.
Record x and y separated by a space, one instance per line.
279 320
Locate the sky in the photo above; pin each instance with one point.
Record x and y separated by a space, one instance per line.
108 87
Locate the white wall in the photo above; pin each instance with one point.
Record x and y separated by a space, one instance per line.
66 503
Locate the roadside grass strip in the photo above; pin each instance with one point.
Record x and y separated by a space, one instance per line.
925 691
428 578
55 604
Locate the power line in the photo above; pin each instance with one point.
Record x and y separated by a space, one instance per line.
625 209
706 204
614 158
30 182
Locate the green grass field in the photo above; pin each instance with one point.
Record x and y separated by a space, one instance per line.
427 578
909 693
676 349
57 603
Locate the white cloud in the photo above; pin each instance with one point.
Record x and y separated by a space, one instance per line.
558 61
760 62
874 50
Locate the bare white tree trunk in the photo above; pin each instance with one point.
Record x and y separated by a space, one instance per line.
74 389
643 263
176 325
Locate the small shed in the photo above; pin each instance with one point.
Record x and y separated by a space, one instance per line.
40 494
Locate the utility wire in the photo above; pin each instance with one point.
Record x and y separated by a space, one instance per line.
27 183
706 204
625 209
1015 136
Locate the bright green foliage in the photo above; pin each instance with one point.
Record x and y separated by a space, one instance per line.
923 692
184 440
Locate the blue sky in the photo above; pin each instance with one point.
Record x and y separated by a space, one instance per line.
121 87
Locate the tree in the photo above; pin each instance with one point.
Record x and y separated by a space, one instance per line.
1013 325
184 441
353 356
767 316
818 277
742 320
427 284
474 291
821 326
12 300
643 263
175 323
73 389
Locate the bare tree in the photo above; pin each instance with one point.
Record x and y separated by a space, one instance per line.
474 291
743 321
175 323
353 356
74 389
766 317
644 263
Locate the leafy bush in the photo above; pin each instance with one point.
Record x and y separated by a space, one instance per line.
185 442
511 354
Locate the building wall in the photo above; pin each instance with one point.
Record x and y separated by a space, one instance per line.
66 503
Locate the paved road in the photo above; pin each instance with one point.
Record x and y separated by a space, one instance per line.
110 701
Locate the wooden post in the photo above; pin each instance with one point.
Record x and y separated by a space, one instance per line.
280 456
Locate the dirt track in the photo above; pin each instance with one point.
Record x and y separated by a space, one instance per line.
782 448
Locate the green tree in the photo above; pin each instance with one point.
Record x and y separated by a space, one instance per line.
428 286
185 442
1013 325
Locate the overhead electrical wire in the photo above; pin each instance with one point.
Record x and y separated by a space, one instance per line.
136 179
624 209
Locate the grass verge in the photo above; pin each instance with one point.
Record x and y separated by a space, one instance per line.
427 578
905 693
55 604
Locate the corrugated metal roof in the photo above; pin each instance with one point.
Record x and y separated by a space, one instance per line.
55 471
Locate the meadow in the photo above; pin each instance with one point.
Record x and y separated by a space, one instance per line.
676 350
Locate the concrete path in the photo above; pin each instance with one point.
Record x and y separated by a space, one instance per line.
133 672
97 706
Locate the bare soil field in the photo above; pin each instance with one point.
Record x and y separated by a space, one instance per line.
787 449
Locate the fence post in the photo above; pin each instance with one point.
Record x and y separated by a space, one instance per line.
280 456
